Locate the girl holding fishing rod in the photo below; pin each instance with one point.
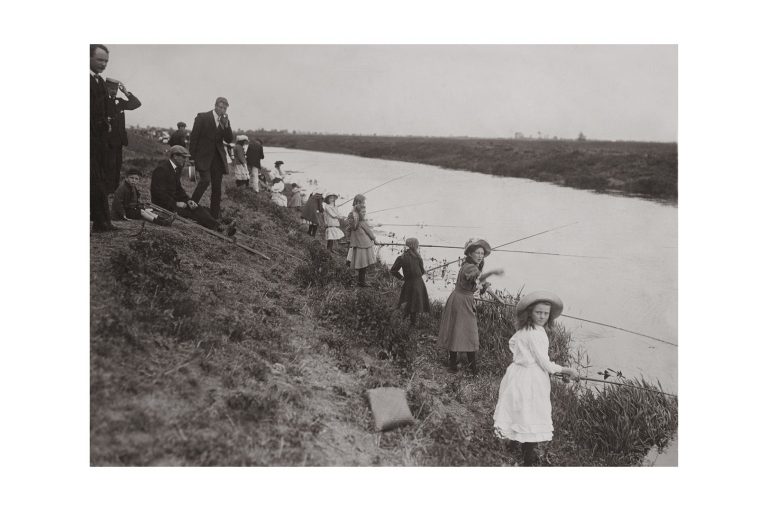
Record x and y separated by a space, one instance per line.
414 292
361 242
458 325
524 410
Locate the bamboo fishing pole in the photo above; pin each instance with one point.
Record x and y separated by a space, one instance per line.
403 206
377 186
212 232
603 381
239 234
584 320
506 250
427 225
508 243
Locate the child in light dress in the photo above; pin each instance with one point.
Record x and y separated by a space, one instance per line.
331 216
524 410
361 242
277 192
242 176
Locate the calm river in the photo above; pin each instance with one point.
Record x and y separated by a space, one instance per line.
628 278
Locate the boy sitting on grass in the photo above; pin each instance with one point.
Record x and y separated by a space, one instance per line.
126 204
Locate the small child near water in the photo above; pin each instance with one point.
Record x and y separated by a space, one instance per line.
414 292
524 410
312 212
331 216
127 203
361 242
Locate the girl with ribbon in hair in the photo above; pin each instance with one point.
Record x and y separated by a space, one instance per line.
414 291
524 410
458 325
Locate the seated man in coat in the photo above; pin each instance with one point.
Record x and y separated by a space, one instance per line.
168 193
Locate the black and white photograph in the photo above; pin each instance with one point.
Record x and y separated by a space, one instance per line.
356 255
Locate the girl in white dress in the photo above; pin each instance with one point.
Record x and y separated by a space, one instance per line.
524 410
277 192
331 216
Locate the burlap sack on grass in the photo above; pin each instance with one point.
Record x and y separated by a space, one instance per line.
390 408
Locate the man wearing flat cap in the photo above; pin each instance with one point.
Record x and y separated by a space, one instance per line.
206 144
179 137
167 192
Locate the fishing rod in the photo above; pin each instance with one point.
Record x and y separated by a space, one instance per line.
506 250
501 302
212 232
403 206
377 186
427 225
240 234
508 243
603 381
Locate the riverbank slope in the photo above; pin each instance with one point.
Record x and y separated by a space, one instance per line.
205 354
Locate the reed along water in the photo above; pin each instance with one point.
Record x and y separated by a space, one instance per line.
629 279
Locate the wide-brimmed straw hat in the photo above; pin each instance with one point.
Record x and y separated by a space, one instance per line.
242 138
477 242
329 195
541 296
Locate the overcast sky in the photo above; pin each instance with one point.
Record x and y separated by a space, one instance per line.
619 92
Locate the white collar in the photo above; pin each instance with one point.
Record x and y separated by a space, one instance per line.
173 164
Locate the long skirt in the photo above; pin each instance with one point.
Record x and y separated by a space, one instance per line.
458 325
524 411
241 172
333 233
414 295
361 257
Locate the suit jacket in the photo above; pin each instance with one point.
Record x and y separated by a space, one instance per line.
166 188
178 138
254 155
207 142
99 105
118 137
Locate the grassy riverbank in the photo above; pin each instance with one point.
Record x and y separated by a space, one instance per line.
645 169
204 354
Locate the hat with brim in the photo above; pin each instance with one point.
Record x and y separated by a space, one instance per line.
477 242
242 138
541 296
179 150
329 195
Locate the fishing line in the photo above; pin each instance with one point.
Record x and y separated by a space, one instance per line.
377 186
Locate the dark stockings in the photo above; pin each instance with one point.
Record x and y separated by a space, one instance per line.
312 229
329 245
361 277
529 454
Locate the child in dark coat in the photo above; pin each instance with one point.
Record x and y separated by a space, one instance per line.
126 204
414 293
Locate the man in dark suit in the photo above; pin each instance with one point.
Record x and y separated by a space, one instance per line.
117 137
166 191
179 137
206 144
99 132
